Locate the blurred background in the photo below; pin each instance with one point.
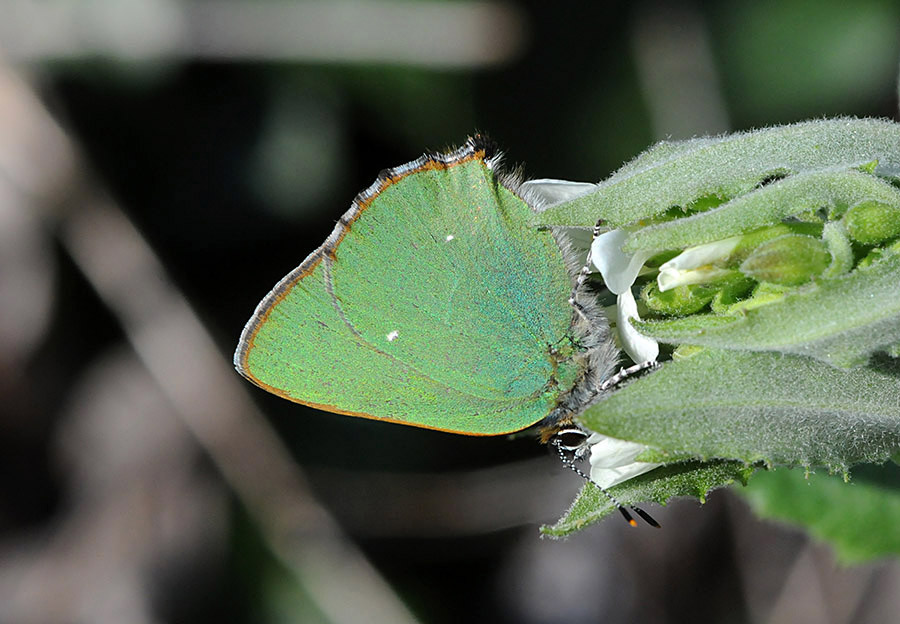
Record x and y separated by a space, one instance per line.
164 162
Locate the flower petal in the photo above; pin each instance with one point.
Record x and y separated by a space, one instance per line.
639 348
612 460
618 269
695 265
669 278
550 191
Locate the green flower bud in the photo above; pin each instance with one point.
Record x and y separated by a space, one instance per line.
752 240
731 293
764 294
872 222
678 301
788 260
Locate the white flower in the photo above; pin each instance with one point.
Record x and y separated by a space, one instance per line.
639 348
612 460
618 269
551 191
695 265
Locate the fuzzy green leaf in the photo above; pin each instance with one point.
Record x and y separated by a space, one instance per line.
779 409
661 152
694 479
767 205
859 519
841 321
838 242
676 175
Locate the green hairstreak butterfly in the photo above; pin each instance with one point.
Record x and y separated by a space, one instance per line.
432 303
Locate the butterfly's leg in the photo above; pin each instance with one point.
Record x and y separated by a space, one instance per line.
583 274
627 373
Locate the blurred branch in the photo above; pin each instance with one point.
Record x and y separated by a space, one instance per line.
429 33
40 163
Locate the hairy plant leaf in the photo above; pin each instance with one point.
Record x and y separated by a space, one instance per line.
766 205
835 236
676 175
779 409
694 479
661 152
841 320
858 518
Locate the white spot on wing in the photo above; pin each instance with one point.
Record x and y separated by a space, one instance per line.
391 337
450 237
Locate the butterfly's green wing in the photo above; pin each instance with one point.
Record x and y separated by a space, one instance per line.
431 304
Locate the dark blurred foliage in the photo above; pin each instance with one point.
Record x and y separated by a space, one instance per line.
235 170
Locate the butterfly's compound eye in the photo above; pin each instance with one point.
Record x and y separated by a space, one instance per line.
571 439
